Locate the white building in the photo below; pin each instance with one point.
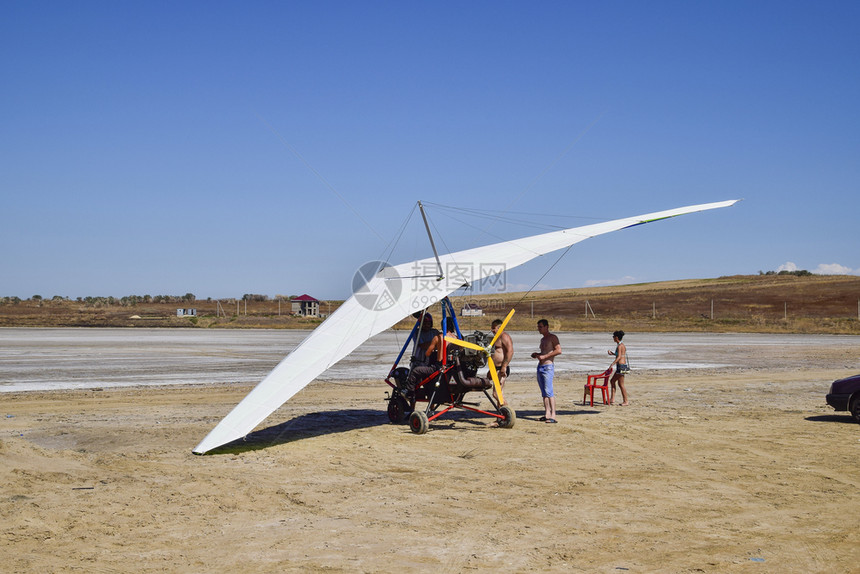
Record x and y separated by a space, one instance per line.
472 310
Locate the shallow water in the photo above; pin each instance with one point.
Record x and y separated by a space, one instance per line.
53 359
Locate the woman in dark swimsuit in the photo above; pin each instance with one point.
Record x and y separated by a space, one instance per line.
621 367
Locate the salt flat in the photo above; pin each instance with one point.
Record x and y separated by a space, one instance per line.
66 358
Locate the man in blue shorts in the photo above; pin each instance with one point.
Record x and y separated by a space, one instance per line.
549 349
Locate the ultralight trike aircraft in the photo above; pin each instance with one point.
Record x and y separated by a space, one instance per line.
446 381
382 299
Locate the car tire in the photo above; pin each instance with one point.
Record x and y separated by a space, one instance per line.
855 408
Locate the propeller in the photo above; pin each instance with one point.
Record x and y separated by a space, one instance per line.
488 351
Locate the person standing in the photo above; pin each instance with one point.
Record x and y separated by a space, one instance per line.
503 352
550 348
621 368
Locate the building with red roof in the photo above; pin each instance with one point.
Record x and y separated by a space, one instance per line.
306 306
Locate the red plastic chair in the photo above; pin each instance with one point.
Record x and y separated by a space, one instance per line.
592 384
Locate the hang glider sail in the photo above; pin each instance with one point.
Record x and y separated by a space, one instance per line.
392 293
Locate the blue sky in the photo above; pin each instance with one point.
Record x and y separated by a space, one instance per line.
224 148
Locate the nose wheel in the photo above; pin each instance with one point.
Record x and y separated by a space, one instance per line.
418 422
510 417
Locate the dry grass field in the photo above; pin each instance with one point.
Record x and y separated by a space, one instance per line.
748 303
758 303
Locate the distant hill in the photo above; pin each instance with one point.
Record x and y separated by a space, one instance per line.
747 303
744 303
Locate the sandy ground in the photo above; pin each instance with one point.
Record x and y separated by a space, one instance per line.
733 470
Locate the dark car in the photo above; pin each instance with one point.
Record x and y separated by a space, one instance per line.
844 395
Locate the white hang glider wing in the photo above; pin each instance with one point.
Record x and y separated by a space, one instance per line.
389 296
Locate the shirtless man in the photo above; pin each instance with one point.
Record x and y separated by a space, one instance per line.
503 352
549 349
437 345
433 357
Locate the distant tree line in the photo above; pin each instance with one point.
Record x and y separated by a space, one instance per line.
254 297
132 300
127 301
798 273
264 298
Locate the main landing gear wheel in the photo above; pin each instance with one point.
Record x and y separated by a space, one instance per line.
510 417
418 422
398 410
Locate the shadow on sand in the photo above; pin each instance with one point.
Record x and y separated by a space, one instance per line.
834 418
305 426
331 422
535 415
